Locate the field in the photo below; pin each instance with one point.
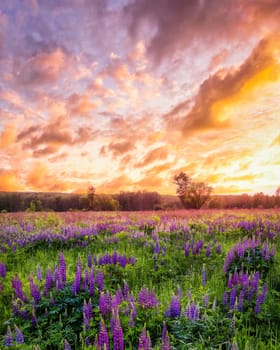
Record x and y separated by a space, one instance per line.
140 280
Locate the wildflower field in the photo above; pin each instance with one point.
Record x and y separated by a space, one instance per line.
153 280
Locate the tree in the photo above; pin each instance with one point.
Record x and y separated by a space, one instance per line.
192 194
90 196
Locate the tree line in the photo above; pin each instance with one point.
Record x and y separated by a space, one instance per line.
190 194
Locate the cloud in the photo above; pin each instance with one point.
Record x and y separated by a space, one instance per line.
159 153
218 58
171 26
81 105
258 69
43 68
8 135
49 138
276 141
120 148
9 181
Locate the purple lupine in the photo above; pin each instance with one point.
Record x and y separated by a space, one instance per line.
147 299
104 303
100 280
115 258
76 285
3 270
235 277
206 300
19 336
203 276
240 300
232 298
49 280
86 280
165 342
17 286
9 341
15 307
230 281
187 249
144 340
218 249
87 313
62 268
89 260
126 291
103 338
174 309
34 290
192 312
208 251
66 345
39 273
133 314
91 283
122 260
118 340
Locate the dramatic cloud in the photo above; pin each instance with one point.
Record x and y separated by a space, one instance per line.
175 25
227 83
125 94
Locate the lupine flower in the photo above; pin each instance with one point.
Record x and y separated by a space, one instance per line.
240 300
62 268
104 303
100 280
218 249
39 273
208 251
192 312
66 345
147 299
118 336
103 338
34 290
49 278
133 314
91 283
17 286
232 298
144 340
89 260
3 270
165 342
9 341
126 290
174 309
203 275
19 336
206 300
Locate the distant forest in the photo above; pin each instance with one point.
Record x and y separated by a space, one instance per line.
125 201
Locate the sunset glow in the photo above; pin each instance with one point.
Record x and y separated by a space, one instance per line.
124 94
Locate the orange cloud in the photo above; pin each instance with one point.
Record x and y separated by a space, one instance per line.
43 68
48 139
160 153
276 141
9 181
8 135
81 104
226 87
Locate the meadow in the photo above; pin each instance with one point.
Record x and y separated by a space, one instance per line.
140 280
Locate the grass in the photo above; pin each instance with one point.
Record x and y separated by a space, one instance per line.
157 241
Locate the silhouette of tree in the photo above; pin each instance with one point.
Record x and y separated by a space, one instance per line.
192 194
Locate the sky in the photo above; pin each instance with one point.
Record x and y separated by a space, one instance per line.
124 94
